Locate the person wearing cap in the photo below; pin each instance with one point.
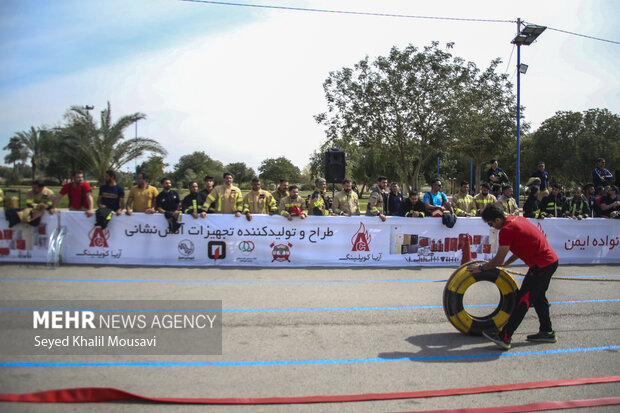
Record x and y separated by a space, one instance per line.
319 203
258 201
292 205
346 202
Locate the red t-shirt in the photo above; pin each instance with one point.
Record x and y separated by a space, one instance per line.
527 242
77 195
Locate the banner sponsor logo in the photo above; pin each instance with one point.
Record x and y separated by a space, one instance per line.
216 250
186 249
281 252
99 237
245 247
361 239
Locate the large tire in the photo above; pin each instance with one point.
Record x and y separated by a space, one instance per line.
458 284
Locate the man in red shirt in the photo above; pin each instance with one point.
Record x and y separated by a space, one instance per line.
80 195
519 236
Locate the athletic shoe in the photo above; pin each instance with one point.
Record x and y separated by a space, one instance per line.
501 339
543 337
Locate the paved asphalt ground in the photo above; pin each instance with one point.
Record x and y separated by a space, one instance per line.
349 331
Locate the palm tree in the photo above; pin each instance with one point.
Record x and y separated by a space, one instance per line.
30 142
17 152
98 148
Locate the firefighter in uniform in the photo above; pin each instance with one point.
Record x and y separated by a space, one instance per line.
319 203
281 192
38 200
227 197
292 205
507 203
577 207
552 205
258 201
484 198
194 203
346 202
464 205
377 200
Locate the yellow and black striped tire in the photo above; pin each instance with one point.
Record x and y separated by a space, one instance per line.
458 284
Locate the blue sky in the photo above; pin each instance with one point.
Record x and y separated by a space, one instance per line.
243 84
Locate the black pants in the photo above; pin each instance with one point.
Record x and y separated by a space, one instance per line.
533 293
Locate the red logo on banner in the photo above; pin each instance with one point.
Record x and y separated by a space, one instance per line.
99 237
281 252
361 239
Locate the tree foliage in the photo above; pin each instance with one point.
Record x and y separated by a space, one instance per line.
196 166
28 144
274 169
241 172
103 146
570 142
401 104
154 168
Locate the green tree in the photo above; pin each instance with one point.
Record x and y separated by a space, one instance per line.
241 172
484 122
17 152
98 148
401 103
195 166
31 143
154 167
570 142
274 169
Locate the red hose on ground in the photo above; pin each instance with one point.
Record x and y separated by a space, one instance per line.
107 394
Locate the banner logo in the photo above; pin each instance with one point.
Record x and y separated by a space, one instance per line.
99 237
186 247
361 239
216 250
281 252
246 247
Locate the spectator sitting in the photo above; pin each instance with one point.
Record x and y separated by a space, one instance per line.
496 191
495 174
412 206
577 207
464 205
610 205
484 198
507 203
435 201
531 209
552 205
589 192
395 197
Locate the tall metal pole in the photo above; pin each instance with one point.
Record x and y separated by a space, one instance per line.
438 167
518 175
471 176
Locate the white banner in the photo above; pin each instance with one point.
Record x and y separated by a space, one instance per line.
24 242
225 240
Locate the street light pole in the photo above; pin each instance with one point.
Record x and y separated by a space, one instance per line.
524 37
518 175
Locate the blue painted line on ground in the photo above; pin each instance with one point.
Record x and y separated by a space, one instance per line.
251 310
493 354
254 281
